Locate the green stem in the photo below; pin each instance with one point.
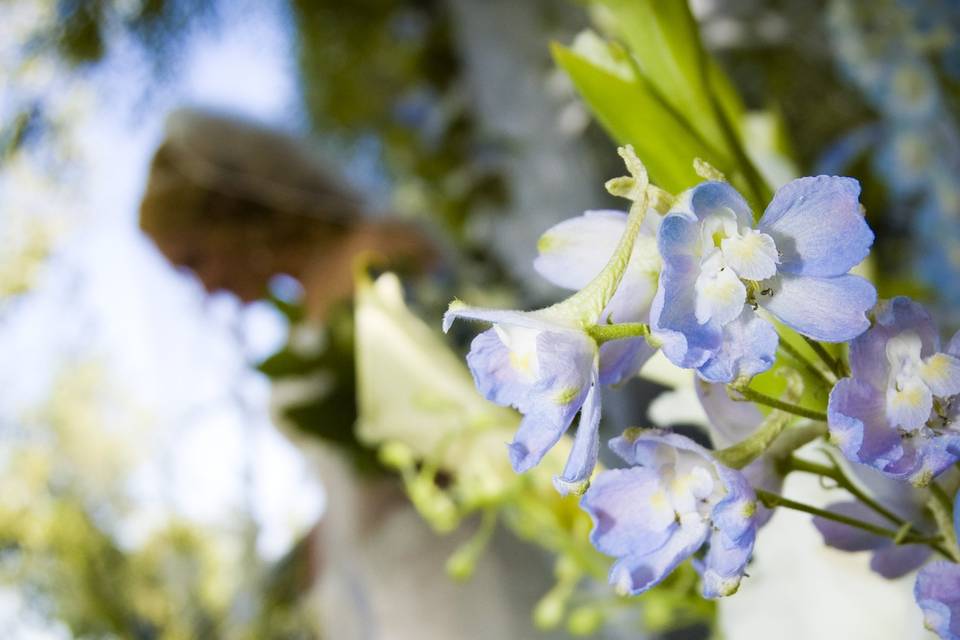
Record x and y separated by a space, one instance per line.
834 473
739 455
832 363
773 500
761 398
815 372
937 491
588 303
606 332
944 519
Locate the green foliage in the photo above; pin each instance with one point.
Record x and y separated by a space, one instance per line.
630 111
390 69
665 95
330 414
664 40
64 498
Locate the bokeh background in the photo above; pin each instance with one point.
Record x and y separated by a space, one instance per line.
195 195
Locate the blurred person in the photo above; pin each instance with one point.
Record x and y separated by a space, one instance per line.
237 204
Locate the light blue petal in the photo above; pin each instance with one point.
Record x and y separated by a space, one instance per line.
586 446
637 573
932 455
894 561
574 251
539 431
733 515
868 352
856 413
818 226
844 537
685 342
494 375
646 559
621 360
679 236
726 562
828 309
652 447
937 592
567 366
626 521
749 347
730 421
953 347
708 198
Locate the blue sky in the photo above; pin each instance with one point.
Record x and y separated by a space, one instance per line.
177 356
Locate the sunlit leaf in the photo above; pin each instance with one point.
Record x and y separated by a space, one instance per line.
632 113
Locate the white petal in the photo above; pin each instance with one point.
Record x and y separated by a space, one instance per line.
909 404
752 255
521 342
719 293
574 251
941 372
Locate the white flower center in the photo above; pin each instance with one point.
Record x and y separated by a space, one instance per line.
914 381
521 342
688 489
729 254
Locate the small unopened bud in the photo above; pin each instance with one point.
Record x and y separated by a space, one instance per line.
396 455
585 621
707 171
634 186
549 611
461 565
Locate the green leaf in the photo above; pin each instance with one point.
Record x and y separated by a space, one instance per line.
665 42
633 114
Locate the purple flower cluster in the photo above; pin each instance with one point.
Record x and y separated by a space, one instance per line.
706 283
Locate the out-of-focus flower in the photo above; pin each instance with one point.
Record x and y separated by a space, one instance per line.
659 512
547 367
718 269
888 559
896 412
937 591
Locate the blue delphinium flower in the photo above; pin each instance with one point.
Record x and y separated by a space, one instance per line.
898 412
546 365
573 252
888 559
659 512
937 591
719 269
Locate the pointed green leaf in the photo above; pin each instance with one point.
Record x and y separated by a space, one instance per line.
633 114
665 41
